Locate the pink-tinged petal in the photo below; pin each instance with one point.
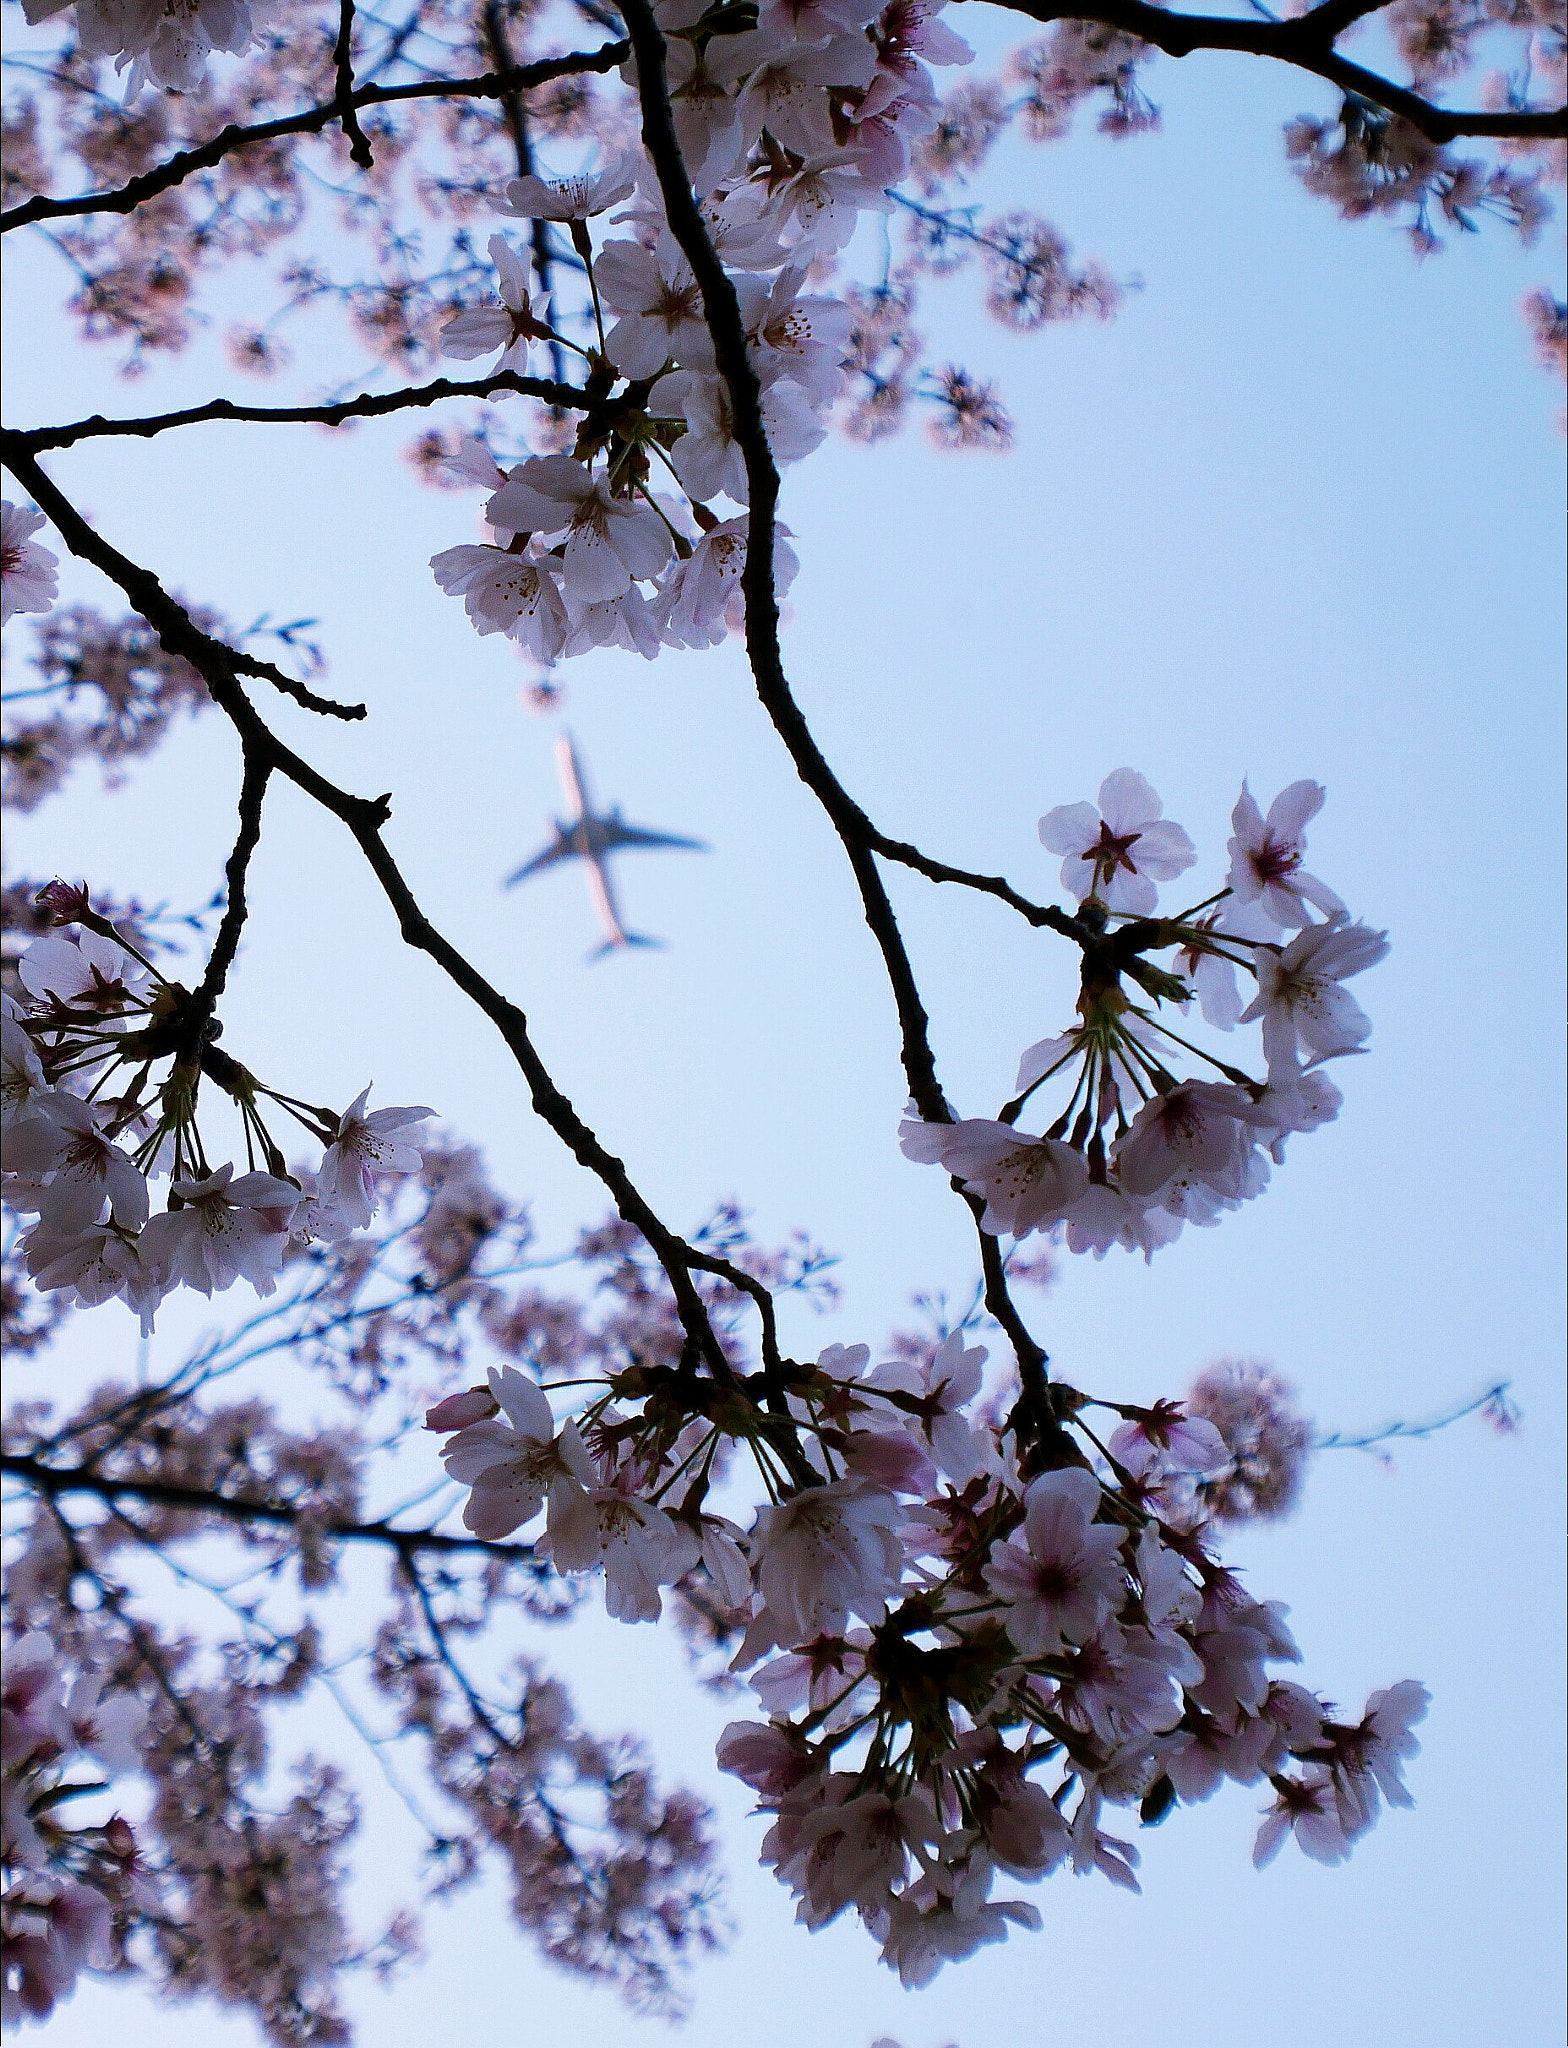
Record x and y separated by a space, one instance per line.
1163 850
941 45
1246 820
496 1508
518 508
574 1532
1134 894
1128 803
1214 984
476 332
1321 897
593 570
1070 829
512 271
1294 809
641 540
1038 1060
1270 1838
922 1142
523 1402
574 1453
1072 1493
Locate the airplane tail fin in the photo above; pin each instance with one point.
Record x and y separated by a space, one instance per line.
619 945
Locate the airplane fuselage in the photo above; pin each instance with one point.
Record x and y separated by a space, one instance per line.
591 837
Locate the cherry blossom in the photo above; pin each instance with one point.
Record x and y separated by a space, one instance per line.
942 1390
609 540
81 1168
1027 1183
1266 855
826 1553
1301 1001
223 1230
822 201
1367 1758
510 326
660 306
640 1547
365 1145
1199 1128
571 199
795 336
503 592
1118 852
97 1264
21 1074
88 971
514 1465
1064 1576
1163 1435
695 598
707 458
29 577
1304 1807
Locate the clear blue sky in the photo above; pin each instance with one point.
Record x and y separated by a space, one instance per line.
1295 512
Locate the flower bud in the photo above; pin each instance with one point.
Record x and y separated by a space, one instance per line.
457 1411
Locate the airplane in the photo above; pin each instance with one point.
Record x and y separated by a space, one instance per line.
591 837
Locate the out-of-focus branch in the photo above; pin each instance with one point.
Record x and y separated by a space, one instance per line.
54 1480
491 85
517 127
1307 42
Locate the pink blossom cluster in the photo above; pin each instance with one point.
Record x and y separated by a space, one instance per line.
1140 1148
970 1640
242 1869
59 1737
110 692
80 1158
791 131
164 43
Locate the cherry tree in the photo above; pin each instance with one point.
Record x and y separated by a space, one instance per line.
978 1622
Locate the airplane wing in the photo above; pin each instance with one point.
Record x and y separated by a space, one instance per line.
562 847
617 834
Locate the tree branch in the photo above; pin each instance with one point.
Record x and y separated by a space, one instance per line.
491 85
253 789
51 1480
217 664
343 62
721 310
1307 43
368 405
522 146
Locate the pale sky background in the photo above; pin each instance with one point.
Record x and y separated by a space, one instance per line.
1297 511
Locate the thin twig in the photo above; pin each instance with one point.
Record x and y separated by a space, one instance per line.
53 1480
343 63
367 405
490 85
216 663
253 789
